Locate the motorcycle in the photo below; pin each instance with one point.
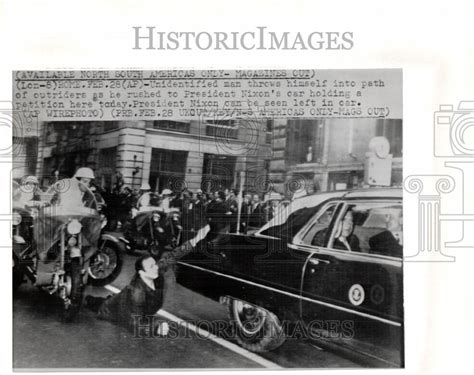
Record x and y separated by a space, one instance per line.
106 263
23 247
154 231
62 245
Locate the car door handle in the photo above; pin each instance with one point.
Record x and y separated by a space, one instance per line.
316 261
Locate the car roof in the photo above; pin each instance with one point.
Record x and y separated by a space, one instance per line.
318 198
359 193
375 193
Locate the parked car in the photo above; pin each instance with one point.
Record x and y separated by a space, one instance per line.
326 264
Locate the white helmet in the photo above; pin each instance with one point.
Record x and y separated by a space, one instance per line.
84 172
145 186
166 192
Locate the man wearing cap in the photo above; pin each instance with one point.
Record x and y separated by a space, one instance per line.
145 196
72 196
71 192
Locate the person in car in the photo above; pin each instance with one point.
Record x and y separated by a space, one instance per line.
389 242
344 238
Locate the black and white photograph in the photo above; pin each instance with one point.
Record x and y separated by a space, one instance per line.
207 220
251 186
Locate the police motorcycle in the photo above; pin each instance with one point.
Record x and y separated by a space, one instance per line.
106 263
23 216
152 229
67 237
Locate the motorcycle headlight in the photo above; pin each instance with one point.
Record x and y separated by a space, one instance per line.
156 217
16 218
72 241
74 227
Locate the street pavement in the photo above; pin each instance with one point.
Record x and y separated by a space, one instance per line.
42 340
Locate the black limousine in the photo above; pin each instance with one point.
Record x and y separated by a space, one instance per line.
329 264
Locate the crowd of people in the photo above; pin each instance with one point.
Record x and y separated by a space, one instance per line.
219 208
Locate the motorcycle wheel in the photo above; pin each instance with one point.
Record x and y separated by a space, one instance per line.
72 307
17 277
105 265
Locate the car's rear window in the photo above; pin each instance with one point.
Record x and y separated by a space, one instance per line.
292 225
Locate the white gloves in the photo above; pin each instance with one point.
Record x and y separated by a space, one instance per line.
200 235
162 329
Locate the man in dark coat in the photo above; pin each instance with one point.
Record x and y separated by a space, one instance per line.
245 212
143 297
232 208
217 214
389 242
257 216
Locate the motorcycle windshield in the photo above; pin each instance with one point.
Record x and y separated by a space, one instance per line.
144 216
68 200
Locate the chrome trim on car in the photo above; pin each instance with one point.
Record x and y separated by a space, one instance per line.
373 317
374 258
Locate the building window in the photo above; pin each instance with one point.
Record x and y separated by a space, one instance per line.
107 166
345 180
167 170
76 130
227 129
51 133
305 141
218 172
65 131
393 131
175 126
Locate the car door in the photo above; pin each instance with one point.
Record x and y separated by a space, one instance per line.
351 294
270 269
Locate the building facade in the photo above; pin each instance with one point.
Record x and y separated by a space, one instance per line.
329 154
209 155
283 155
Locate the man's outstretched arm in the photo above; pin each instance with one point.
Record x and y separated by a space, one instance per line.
171 257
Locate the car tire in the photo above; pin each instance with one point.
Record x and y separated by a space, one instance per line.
261 333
